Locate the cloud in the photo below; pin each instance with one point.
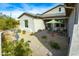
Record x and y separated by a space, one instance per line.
17 9
12 9
15 14
37 11
37 8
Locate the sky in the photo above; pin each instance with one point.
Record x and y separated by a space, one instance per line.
16 9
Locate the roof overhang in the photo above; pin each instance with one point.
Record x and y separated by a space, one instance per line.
55 17
31 15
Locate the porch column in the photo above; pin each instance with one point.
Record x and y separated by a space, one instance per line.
53 27
59 26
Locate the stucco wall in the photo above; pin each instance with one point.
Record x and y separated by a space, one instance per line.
30 23
56 11
71 24
33 24
39 24
74 47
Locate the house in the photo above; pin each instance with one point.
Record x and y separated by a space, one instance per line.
34 23
31 23
68 12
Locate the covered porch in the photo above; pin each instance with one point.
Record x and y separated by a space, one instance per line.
55 27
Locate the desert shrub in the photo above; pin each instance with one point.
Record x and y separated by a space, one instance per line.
44 37
39 30
23 32
15 48
22 48
19 31
32 33
28 41
8 24
7 47
54 45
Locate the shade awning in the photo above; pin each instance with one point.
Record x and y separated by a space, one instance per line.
54 21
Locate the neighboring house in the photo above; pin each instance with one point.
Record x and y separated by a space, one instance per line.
34 23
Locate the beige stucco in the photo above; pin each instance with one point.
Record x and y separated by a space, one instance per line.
34 24
71 24
30 23
74 46
56 12
39 24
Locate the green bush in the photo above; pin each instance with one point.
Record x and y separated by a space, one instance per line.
54 45
44 37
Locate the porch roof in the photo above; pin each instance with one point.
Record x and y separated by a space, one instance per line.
69 10
55 17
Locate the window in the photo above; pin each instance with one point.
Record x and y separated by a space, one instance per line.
26 23
59 9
